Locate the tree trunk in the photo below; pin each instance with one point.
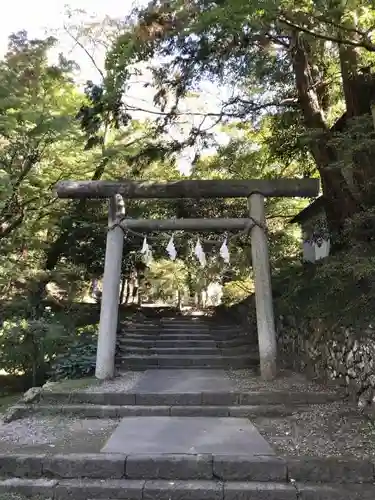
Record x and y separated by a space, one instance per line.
135 288
340 202
127 291
122 290
349 71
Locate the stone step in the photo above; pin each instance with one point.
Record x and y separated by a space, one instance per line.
160 351
246 346
207 351
141 342
221 331
310 491
205 398
188 466
159 329
121 411
133 489
185 335
122 365
203 324
177 326
198 324
158 338
167 336
124 342
198 334
133 362
153 466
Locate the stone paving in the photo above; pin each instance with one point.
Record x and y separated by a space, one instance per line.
187 435
181 381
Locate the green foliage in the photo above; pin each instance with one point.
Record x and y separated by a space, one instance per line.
236 291
166 278
79 357
37 128
50 130
337 289
28 347
296 64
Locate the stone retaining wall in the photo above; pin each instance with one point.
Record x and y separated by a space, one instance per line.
328 354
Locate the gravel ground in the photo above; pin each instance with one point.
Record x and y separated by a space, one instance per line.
14 496
323 430
247 380
123 383
56 435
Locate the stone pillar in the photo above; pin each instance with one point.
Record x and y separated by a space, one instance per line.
263 290
105 357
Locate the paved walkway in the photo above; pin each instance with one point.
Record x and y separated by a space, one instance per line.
186 435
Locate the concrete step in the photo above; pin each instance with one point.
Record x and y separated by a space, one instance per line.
133 489
204 398
121 411
133 362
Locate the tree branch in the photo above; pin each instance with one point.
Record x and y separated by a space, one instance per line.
80 44
222 114
365 44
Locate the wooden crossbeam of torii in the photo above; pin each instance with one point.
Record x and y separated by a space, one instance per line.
254 190
188 188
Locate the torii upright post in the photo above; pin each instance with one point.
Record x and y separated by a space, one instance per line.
105 357
263 289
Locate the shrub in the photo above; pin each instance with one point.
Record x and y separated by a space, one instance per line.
28 346
79 358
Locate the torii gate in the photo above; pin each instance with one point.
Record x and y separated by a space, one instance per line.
254 190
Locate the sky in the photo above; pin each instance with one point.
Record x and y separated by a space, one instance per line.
37 15
41 17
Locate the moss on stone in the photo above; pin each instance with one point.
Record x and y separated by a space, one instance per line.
71 385
7 401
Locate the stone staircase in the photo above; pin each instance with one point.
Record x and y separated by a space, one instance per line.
184 342
171 434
